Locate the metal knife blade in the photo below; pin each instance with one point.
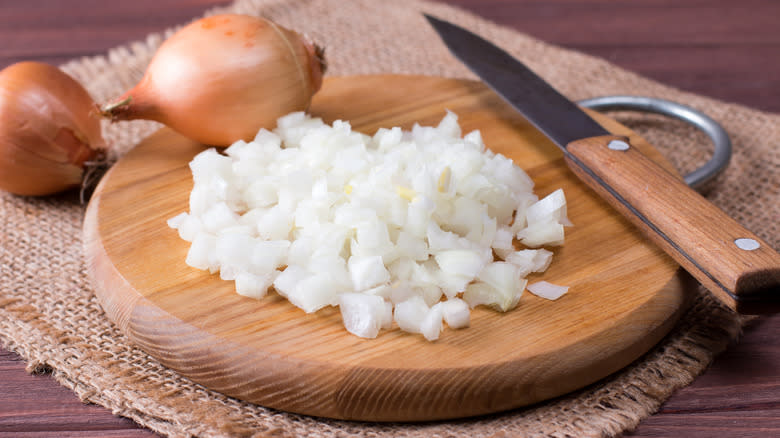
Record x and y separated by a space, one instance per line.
737 266
550 112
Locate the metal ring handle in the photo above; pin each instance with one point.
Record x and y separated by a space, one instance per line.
716 133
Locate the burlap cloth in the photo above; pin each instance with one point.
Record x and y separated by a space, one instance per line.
49 314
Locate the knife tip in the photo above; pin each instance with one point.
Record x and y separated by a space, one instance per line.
440 26
431 19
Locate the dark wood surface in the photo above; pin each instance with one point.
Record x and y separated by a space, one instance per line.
719 48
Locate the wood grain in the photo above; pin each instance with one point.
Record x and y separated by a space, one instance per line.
731 57
624 293
697 234
718 48
34 405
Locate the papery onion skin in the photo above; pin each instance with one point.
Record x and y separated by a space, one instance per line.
222 78
49 130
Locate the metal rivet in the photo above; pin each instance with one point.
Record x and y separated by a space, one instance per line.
747 244
618 145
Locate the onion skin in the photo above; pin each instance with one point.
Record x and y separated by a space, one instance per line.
222 78
49 130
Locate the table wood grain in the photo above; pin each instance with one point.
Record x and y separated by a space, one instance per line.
718 48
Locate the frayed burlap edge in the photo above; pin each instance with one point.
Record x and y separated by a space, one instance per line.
91 357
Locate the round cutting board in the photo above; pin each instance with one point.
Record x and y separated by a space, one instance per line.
624 295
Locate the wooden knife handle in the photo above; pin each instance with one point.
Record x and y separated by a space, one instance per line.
737 266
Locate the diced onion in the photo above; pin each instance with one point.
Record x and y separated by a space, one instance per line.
410 314
455 312
363 314
395 228
547 290
431 324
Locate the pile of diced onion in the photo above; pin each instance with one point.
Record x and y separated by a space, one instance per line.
412 227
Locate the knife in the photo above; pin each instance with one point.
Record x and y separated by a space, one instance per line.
738 267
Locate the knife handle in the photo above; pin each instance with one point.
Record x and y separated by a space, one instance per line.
737 266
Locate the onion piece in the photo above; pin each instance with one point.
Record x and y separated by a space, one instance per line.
551 208
363 315
547 290
430 327
410 314
456 313
530 260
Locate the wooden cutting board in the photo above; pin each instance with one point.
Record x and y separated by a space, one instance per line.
624 295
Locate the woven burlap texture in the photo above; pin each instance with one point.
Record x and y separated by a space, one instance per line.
49 314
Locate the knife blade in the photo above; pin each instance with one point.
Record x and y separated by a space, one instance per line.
738 267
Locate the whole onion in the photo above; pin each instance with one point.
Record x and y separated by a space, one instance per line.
222 78
49 130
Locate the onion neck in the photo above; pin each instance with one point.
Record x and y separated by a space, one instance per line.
130 106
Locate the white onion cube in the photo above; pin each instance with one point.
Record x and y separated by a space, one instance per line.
456 313
367 272
286 282
268 255
542 233
431 324
551 208
410 314
201 253
460 262
176 221
363 315
315 291
254 286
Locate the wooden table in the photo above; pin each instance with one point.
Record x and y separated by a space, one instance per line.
719 48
